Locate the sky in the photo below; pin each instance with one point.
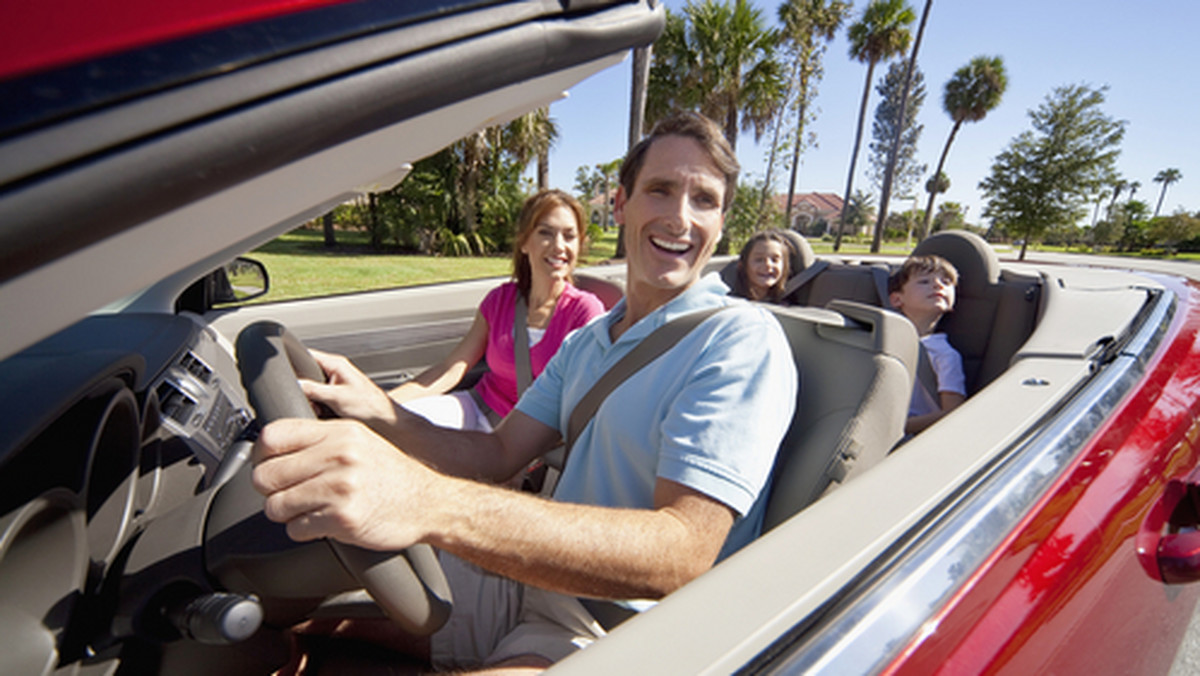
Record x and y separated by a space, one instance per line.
1143 52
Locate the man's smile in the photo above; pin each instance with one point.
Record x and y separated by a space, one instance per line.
670 246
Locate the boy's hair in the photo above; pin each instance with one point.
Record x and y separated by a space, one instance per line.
922 265
698 128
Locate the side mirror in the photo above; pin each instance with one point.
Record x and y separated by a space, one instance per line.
238 281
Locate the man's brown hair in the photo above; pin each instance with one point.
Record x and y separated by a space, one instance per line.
694 126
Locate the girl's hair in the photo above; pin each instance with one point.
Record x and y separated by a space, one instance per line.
535 208
775 293
922 265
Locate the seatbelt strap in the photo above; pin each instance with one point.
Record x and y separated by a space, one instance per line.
925 374
881 275
652 346
804 277
521 346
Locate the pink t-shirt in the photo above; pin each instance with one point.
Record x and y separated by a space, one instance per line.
498 386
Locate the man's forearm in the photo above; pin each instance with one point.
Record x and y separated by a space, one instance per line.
472 455
581 549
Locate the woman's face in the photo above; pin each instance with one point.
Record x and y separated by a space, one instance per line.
765 266
553 245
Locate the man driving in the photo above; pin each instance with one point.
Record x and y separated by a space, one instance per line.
668 477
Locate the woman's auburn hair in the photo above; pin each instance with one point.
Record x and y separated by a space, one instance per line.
534 209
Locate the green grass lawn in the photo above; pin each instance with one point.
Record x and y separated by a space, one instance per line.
301 267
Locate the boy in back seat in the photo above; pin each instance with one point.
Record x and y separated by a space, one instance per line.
924 290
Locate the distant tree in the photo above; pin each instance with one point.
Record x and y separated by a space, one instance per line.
1045 176
1169 231
807 26
718 58
1118 186
859 213
1166 177
907 170
972 92
744 217
950 216
598 179
937 184
1103 233
879 35
529 137
898 131
1133 188
1132 217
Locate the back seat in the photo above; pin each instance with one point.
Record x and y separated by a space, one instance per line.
856 363
995 311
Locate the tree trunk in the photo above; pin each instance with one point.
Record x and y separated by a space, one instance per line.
330 236
886 192
937 174
373 214
637 122
543 170
862 116
803 110
762 202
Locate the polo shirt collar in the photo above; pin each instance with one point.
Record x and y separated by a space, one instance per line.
707 292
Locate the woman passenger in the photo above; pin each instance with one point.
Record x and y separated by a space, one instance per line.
551 231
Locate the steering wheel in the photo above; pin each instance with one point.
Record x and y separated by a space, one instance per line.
408 585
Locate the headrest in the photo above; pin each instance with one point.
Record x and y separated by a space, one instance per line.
802 252
976 261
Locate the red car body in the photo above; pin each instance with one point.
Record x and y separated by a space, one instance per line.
1078 587
45 35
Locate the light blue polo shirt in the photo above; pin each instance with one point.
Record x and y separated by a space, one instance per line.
709 414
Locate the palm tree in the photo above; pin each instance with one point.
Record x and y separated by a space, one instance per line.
1133 188
880 34
807 25
532 135
1166 177
1118 186
973 91
901 126
720 59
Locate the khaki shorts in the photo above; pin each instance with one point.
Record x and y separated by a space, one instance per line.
495 619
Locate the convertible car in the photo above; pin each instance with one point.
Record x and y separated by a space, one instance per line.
1048 525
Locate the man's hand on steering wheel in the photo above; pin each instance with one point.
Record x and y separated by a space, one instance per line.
349 393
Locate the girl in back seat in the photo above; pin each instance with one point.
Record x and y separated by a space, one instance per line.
762 270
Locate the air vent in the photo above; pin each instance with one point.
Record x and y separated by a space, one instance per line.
192 364
175 404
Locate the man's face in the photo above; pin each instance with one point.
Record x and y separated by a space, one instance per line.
672 218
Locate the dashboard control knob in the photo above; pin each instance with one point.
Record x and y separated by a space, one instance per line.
217 618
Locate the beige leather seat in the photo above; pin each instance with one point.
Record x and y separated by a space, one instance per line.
996 310
856 365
